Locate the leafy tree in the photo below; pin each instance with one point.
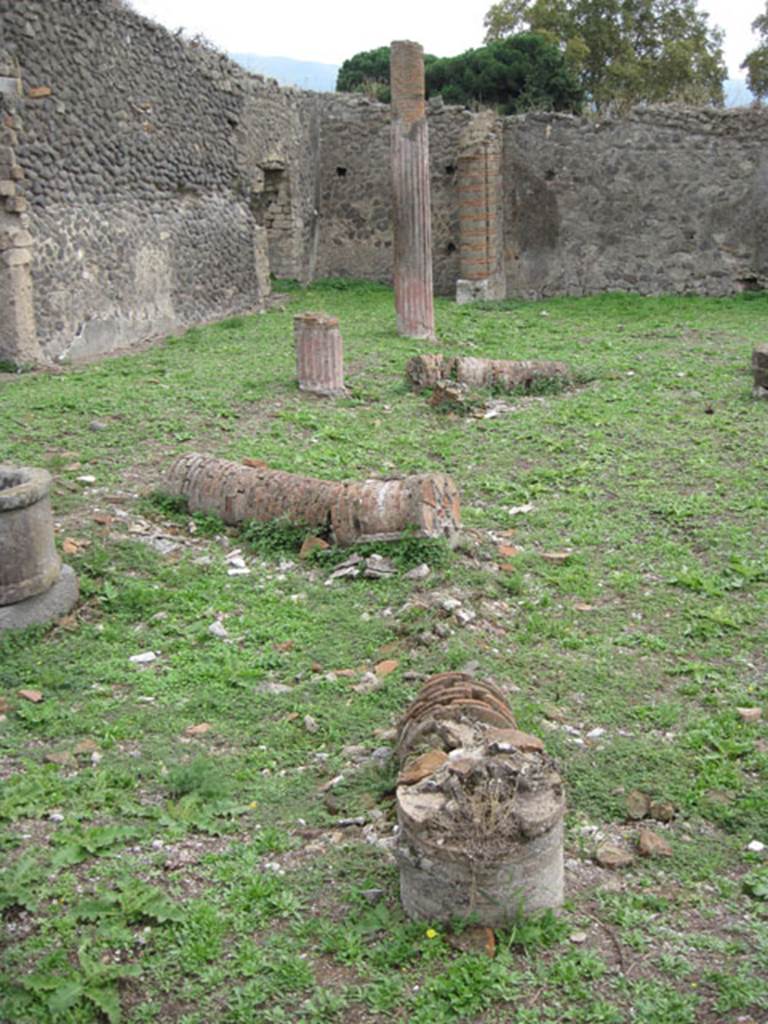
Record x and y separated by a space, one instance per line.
756 62
525 72
625 51
368 72
521 73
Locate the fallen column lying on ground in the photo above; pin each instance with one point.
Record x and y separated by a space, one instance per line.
367 510
426 371
760 370
34 586
319 354
480 808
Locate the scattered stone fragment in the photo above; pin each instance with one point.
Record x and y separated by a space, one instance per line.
662 810
385 668
638 805
218 629
420 572
312 544
558 557
369 682
649 844
608 855
198 730
421 767
85 748
273 688
372 896
505 740
578 938
750 714
477 940
63 758
34 696
145 658
350 567
377 567
755 846
86 479
97 425
310 724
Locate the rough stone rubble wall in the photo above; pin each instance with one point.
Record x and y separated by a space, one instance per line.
666 200
164 183
142 156
355 190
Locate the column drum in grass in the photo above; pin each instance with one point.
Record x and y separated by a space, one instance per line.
29 564
480 808
349 512
319 354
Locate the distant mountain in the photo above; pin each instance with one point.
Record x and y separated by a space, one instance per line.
306 74
736 93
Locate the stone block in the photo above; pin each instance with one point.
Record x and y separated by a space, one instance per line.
10 86
16 173
39 92
7 188
16 204
16 257
15 238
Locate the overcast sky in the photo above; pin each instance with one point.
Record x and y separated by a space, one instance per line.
332 30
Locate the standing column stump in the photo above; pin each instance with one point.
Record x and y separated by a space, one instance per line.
480 808
34 588
760 370
319 354
350 512
411 193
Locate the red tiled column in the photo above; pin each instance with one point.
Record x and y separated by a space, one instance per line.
411 194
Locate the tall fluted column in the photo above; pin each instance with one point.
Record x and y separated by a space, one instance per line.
410 185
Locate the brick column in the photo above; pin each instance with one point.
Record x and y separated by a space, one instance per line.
319 354
411 197
480 210
18 335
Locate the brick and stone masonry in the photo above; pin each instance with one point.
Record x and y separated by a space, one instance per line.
319 354
411 193
18 336
480 808
425 505
481 270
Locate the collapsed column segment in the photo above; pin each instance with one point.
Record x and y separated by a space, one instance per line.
480 808
368 510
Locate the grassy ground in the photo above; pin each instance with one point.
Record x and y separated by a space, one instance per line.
159 875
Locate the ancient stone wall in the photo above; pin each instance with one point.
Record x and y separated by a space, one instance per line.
665 200
156 173
355 190
164 183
